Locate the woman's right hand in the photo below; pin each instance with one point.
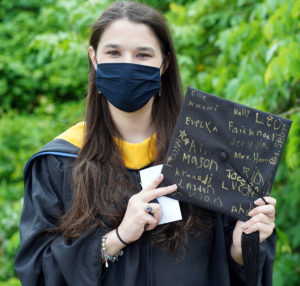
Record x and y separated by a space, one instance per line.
137 218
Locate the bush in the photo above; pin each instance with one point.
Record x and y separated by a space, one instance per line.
48 55
21 136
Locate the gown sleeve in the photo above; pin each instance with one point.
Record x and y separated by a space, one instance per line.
266 257
45 258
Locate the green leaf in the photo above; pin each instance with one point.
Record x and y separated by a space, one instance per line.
271 52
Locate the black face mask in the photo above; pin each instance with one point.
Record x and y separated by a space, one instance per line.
127 86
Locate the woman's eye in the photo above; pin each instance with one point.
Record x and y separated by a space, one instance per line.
113 53
143 55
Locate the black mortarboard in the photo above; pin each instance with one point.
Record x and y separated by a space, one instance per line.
223 155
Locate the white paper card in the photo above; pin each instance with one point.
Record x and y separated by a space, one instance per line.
170 208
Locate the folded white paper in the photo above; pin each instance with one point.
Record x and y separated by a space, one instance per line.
170 208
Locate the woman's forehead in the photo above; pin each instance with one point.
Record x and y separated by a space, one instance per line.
123 33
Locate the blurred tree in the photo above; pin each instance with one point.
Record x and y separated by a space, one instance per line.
43 50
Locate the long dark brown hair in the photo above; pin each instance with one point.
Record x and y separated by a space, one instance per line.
101 186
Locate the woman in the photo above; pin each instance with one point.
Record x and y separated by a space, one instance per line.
85 220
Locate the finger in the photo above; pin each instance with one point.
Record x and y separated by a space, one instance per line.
264 230
155 182
150 195
155 210
259 218
262 223
151 222
266 209
270 200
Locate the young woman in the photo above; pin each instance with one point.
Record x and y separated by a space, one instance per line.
86 220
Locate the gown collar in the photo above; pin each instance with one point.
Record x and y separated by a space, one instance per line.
138 155
135 155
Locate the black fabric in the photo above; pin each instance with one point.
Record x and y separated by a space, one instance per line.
223 155
127 86
250 248
57 147
47 259
188 266
267 252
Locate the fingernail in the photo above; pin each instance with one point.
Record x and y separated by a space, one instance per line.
257 201
244 226
173 187
250 213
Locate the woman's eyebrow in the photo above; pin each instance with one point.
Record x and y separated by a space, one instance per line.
146 48
115 46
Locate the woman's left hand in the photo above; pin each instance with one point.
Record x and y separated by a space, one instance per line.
262 220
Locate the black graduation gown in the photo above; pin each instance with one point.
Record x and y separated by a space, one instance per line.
45 258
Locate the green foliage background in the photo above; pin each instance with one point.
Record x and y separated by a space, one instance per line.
245 50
